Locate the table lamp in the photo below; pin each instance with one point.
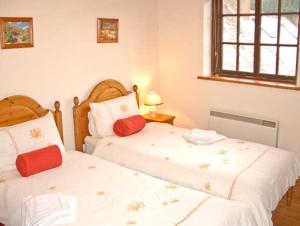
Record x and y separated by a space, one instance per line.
152 100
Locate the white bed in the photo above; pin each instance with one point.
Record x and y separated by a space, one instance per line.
254 174
110 195
106 193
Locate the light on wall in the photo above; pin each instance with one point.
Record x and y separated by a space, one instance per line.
152 100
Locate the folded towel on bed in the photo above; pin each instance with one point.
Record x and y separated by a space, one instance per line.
203 137
48 210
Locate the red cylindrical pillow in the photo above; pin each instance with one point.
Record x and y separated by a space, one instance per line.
39 160
127 126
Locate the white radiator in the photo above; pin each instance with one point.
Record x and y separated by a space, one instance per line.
256 129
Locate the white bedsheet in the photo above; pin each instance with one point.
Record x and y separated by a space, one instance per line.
254 174
109 195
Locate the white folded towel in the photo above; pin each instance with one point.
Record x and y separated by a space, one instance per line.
48 210
203 137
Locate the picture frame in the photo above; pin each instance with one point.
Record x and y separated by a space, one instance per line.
107 30
16 32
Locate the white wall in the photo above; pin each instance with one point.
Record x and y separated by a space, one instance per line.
182 50
66 60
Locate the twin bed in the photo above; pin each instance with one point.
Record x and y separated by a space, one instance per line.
232 182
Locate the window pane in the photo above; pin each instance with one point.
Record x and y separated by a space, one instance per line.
229 6
289 29
268 59
229 28
269 6
289 5
246 58
247 29
229 57
269 26
247 7
287 61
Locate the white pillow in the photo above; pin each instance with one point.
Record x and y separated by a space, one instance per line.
8 152
92 126
123 107
102 119
104 114
35 134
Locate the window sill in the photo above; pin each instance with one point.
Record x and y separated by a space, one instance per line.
250 82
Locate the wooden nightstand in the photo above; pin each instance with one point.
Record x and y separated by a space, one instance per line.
162 118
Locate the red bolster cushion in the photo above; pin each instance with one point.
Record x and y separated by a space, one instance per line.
127 126
39 160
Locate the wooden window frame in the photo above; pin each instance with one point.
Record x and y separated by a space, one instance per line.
217 42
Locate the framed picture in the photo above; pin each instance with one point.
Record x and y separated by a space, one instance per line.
107 30
16 32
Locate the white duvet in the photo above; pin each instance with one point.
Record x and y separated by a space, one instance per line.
254 174
109 195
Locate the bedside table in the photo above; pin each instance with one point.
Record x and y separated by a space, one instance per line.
162 118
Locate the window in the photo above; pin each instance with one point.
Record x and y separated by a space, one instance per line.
256 39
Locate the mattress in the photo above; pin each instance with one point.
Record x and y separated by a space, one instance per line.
110 195
253 174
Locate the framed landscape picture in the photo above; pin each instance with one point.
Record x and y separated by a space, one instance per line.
16 32
107 30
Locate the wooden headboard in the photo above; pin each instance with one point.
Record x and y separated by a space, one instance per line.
105 90
18 109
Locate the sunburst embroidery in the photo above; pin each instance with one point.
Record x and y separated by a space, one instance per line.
100 193
135 206
124 108
131 222
171 186
36 133
204 166
207 186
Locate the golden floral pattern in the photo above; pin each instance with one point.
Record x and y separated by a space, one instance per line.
100 193
204 166
174 201
207 186
135 206
109 144
222 152
240 142
171 186
131 222
225 161
52 188
165 203
124 108
36 133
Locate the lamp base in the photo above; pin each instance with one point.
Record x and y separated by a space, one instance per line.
153 111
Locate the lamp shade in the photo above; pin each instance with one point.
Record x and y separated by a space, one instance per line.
153 99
